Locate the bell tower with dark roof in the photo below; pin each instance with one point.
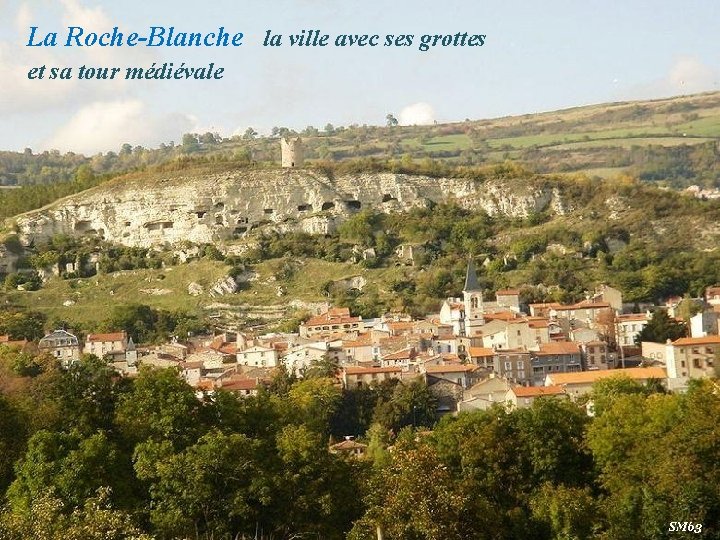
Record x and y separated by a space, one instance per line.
472 299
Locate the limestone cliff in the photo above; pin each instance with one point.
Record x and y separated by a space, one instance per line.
200 207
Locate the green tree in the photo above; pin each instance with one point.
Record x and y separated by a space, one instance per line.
160 406
225 483
69 465
391 120
660 328
569 513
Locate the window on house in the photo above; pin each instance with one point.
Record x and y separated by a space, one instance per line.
696 363
508 366
519 364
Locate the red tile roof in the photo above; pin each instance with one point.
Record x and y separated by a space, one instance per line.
558 347
451 368
504 315
332 316
480 351
400 355
589 377
706 340
537 391
508 292
239 384
356 370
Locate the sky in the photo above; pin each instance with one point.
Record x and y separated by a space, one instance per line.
538 56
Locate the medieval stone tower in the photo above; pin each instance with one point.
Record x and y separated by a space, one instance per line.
292 152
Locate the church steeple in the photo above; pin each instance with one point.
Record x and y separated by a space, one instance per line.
471 280
473 301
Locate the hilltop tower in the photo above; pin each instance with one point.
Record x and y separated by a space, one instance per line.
292 152
472 300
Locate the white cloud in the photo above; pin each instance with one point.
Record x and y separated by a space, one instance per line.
417 114
104 126
75 14
23 19
689 75
20 95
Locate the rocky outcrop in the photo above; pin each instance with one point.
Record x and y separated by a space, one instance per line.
170 208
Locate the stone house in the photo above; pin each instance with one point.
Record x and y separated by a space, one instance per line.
485 394
113 344
463 374
520 397
332 321
579 384
62 345
513 364
557 357
258 356
356 377
692 357
629 326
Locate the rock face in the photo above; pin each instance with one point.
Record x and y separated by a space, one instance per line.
170 208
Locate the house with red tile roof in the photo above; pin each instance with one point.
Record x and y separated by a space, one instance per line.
520 397
692 357
579 384
332 321
464 375
554 357
356 376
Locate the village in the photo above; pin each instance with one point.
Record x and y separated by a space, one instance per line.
473 354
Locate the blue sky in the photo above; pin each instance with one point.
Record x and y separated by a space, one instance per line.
538 56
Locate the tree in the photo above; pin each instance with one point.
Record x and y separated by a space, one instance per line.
190 143
70 466
322 367
411 404
567 512
606 391
317 491
160 406
660 328
22 324
415 496
224 500
250 134
87 392
391 120
313 402
95 520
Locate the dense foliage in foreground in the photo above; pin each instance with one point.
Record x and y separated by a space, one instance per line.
86 454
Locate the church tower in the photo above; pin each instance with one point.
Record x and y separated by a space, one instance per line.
472 300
